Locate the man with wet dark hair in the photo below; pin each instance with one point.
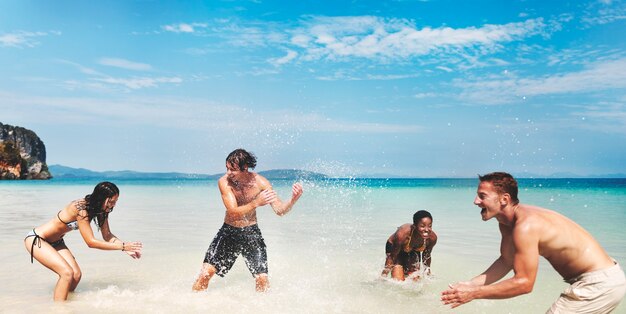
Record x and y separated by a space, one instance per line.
597 282
242 192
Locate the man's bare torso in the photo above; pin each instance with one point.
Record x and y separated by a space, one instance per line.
245 190
569 248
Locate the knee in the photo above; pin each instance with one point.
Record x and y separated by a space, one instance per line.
77 275
67 274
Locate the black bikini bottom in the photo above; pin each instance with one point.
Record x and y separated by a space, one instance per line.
37 241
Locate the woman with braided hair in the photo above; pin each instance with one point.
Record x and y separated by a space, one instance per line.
45 243
408 247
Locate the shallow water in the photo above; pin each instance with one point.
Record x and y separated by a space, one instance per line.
325 256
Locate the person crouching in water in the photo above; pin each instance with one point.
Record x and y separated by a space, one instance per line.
45 243
409 246
242 192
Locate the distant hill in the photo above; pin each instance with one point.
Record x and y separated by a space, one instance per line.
570 175
292 174
64 172
59 171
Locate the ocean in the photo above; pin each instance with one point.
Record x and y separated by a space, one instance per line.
325 256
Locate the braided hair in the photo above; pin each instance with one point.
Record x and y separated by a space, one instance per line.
421 214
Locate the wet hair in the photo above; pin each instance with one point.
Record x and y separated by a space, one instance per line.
241 158
503 183
95 201
421 214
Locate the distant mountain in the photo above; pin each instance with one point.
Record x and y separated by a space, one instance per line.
59 171
570 175
292 174
64 172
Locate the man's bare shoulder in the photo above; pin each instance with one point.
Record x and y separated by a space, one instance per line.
222 182
261 181
533 221
535 215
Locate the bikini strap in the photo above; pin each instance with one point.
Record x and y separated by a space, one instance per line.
407 246
61 220
36 241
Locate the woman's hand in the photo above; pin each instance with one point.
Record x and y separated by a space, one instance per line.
133 249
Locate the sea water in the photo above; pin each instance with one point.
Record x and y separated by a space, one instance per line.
325 256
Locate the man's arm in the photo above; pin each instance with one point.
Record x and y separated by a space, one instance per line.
525 265
230 201
281 208
525 250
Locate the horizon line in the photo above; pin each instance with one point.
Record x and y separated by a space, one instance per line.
368 176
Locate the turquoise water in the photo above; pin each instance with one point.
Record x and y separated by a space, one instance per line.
324 256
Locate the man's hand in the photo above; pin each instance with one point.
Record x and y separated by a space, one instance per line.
266 197
458 294
296 191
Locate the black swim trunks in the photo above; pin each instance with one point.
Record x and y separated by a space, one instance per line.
230 242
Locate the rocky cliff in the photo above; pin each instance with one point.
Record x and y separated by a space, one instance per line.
22 154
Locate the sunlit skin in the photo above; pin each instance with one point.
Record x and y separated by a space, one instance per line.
243 192
423 232
527 232
60 259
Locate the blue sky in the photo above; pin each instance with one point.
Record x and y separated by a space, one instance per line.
406 87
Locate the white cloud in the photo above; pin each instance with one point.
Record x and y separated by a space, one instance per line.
140 82
371 37
22 39
424 95
125 64
604 12
599 76
286 59
81 68
186 114
343 75
102 82
183 27
378 38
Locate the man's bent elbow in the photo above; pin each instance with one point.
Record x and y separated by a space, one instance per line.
525 286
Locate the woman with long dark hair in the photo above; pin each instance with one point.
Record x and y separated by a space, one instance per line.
45 243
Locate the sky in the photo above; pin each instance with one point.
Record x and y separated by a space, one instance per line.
414 88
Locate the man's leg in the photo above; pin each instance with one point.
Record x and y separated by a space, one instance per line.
206 273
254 252
262 282
597 292
221 255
